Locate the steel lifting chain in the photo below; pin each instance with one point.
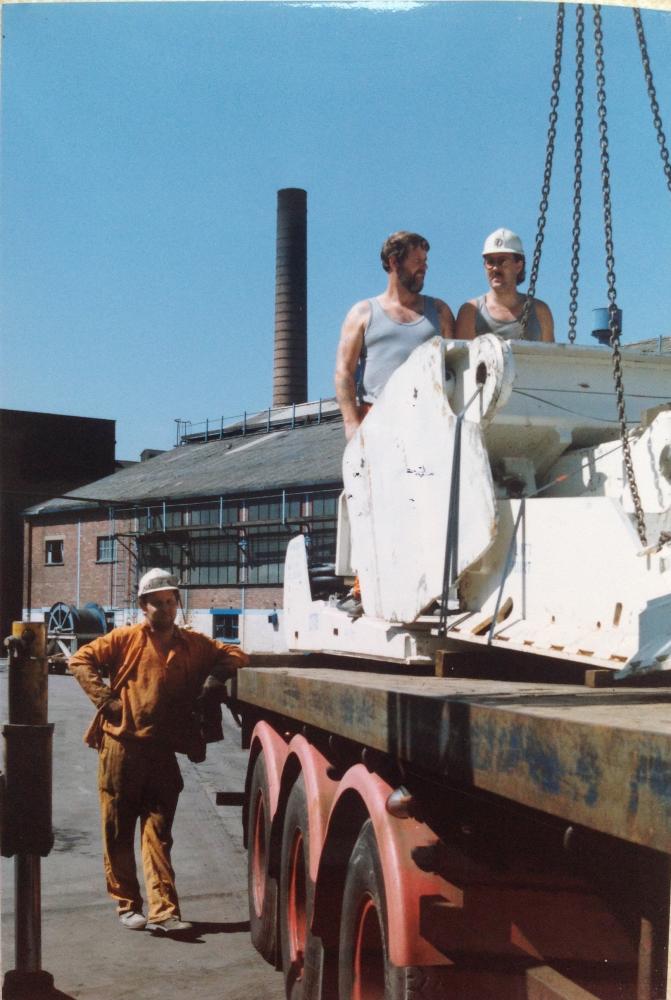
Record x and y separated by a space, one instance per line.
610 273
577 171
547 172
656 117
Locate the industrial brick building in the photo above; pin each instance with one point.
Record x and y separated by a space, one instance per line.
217 513
36 466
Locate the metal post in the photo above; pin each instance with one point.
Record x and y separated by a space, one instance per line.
28 929
28 701
645 960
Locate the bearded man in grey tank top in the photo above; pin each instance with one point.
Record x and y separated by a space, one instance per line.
380 333
500 309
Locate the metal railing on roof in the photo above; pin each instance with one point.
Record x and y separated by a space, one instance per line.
257 422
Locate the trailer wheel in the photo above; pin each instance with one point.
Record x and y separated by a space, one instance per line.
364 969
301 951
261 886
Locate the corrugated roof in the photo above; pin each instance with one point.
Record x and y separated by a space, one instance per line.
288 459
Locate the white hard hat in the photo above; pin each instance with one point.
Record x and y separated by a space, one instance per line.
503 241
156 579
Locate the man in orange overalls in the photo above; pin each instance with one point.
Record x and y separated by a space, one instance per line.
156 671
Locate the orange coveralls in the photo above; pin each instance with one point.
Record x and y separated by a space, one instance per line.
138 773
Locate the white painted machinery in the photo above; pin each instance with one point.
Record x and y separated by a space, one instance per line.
486 503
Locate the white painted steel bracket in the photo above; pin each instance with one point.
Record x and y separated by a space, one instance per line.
397 472
539 421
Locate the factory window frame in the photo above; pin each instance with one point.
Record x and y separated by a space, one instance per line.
106 549
265 510
165 555
53 552
324 506
174 518
211 513
293 508
213 560
321 545
226 626
265 554
156 519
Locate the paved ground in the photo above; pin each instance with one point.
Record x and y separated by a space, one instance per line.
89 954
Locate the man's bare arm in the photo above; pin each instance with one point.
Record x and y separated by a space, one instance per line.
347 357
466 322
546 322
446 317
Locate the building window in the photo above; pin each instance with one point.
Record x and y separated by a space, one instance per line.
322 545
158 519
324 506
213 561
106 548
214 513
222 543
265 552
292 508
265 510
166 555
226 626
53 552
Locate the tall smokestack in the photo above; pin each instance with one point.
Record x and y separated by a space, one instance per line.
290 371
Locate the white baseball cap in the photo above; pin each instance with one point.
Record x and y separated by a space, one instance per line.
503 241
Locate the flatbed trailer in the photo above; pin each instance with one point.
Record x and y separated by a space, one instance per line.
457 836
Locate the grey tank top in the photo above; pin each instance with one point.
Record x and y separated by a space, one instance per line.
387 344
508 329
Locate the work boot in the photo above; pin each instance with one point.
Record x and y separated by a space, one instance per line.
173 925
132 920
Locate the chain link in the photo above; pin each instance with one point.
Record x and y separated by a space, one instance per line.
577 172
547 172
656 117
610 273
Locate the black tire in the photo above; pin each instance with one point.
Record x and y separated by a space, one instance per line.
301 951
364 969
261 886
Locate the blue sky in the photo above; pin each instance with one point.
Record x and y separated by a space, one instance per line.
143 146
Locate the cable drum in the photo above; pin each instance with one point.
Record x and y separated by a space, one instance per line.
88 621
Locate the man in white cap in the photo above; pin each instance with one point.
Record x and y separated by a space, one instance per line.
500 309
157 673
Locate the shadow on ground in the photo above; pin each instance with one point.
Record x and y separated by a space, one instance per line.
201 928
